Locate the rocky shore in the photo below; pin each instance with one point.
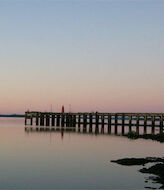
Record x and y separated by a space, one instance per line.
157 169
155 137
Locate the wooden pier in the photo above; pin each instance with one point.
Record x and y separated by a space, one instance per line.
111 121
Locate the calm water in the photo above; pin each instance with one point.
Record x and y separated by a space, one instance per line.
51 160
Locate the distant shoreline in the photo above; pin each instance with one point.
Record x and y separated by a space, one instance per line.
12 115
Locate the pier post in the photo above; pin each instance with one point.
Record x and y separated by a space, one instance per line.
162 121
145 124
79 120
53 121
161 124
62 119
70 120
116 124
25 122
138 123
123 123
74 120
145 120
58 120
116 120
138 120
109 123
41 120
47 120
116 129
90 119
90 122
31 120
130 123
123 119
97 121
102 122
37 120
153 124
84 121
67 120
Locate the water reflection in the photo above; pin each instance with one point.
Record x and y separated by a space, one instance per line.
106 130
92 131
69 158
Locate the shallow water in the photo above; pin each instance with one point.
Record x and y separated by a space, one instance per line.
69 160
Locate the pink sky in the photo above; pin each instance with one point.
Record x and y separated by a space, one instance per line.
106 57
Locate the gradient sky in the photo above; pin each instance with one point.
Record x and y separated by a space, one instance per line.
95 55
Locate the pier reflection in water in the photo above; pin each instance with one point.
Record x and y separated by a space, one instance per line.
93 130
116 130
69 158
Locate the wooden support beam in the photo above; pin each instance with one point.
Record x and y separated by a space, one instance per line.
70 120
47 120
116 120
145 124
130 123
123 123
41 120
116 129
161 124
137 120
123 119
25 122
74 120
90 119
58 120
97 121
62 119
67 120
31 120
84 121
79 120
102 121
137 123
153 124
37 120
109 123
53 120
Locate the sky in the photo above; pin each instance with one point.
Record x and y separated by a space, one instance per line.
88 55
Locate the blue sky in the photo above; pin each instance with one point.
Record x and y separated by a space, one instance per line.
94 55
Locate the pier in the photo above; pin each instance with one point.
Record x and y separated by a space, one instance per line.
111 121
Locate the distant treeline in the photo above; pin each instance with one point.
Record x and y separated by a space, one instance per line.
12 115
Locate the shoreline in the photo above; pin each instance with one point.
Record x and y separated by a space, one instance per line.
13 115
157 169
